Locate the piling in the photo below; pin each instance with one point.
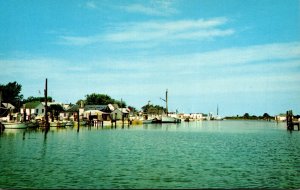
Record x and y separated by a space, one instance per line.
289 121
24 113
78 121
115 123
1 128
47 126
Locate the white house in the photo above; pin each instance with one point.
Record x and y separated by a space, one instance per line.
33 108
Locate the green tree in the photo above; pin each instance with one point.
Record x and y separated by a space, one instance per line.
11 93
102 99
132 109
39 99
151 109
266 116
246 116
55 109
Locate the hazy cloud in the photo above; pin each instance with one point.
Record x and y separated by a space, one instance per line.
153 8
157 31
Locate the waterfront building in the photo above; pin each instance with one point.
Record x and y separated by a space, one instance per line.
32 109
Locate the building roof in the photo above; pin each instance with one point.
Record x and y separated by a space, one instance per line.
74 108
7 105
32 105
122 110
95 107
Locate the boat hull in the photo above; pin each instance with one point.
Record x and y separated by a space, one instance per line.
167 119
8 125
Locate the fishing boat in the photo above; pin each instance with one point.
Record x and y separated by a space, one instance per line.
167 118
57 124
32 124
69 123
14 125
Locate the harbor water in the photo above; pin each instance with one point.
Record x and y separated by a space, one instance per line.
203 154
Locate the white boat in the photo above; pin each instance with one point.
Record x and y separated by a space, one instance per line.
169 119
57 124
14 125
69 123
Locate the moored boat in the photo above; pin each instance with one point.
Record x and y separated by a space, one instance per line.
169 119
57 124
14 125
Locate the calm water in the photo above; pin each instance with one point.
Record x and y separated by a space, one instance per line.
207 154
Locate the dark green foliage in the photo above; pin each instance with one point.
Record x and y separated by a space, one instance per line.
55 109
102 99
246 116
37 99
11 93
151 109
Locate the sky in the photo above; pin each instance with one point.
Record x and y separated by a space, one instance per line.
239 56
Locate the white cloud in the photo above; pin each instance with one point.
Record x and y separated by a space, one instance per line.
172 30
152 8
139 8
156 32
257 69
91 5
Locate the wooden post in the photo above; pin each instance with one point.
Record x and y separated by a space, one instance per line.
122 120
115 120
78 121
24 113
289 120
47 126
102 123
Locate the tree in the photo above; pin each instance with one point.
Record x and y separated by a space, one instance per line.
55 109
151 109
246 116
266 116
102 99
11 93
39 99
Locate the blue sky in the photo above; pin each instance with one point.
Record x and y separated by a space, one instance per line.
241 55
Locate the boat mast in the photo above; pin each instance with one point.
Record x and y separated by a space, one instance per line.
217 109
167 101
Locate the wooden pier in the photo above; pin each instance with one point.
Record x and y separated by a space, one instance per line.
290 122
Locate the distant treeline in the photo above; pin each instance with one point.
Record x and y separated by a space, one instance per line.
246 116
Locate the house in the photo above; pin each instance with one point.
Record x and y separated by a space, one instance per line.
120 113
105 110
280 117
33 108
